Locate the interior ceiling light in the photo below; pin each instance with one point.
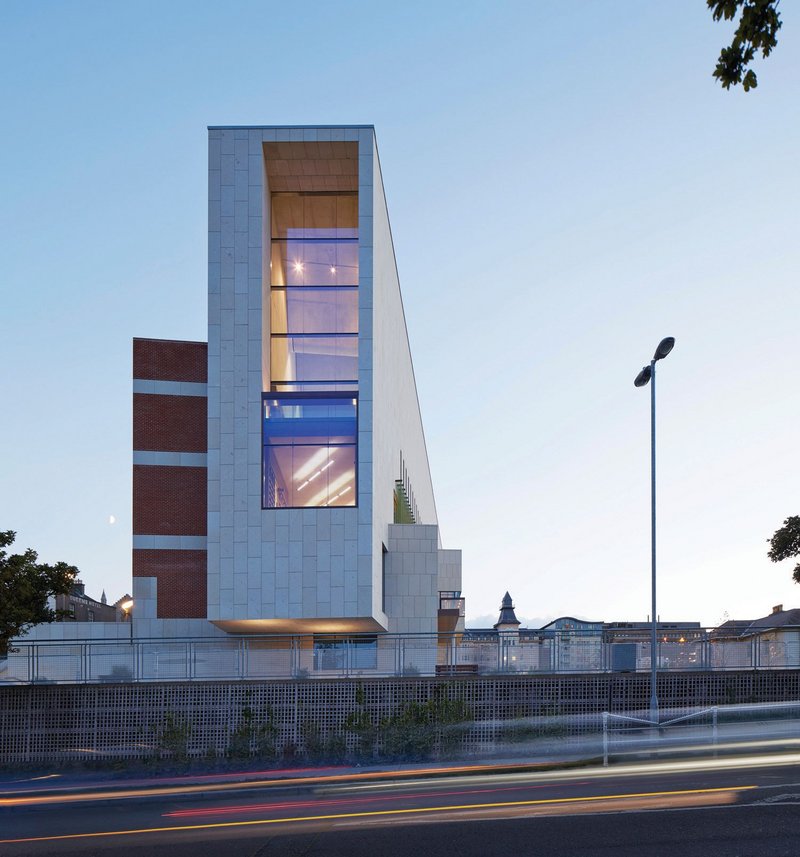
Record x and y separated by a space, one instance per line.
314 462
312 478
298 266
322 497
333 269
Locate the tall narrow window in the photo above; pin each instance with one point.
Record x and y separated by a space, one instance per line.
314 292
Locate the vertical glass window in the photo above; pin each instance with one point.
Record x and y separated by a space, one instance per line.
309 451
314 294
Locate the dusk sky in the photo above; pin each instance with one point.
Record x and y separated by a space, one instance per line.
567 184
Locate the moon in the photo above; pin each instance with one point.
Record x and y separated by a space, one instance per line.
112 519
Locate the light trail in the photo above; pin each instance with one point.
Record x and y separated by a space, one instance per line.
722 791
162 791
304 804
229 776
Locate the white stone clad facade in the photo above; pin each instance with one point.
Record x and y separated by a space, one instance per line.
289 569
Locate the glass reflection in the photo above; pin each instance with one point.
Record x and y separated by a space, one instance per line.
314 358
314 310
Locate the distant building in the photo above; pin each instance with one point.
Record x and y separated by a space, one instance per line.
578 644
777 638
79 607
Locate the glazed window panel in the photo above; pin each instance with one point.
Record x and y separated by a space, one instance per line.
310 310
345 653
314 358
314 215
310 451
318 262
314 386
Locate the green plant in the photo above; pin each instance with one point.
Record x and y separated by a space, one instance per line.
253 736
318 748
172 736
417 728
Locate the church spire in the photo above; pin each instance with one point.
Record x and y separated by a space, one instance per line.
507 616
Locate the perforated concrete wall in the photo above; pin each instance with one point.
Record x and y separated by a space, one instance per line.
51 723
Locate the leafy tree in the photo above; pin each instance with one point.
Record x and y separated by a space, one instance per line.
785 543
756 31
25 586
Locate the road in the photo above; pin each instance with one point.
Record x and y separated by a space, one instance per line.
730 807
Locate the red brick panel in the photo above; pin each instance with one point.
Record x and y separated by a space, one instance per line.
170 360
169 501
170 423
181 579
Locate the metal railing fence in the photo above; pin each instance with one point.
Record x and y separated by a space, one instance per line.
772 725
326 656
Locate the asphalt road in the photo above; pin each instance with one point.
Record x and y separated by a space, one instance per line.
732 807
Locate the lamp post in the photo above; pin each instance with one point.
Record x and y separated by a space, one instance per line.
648 374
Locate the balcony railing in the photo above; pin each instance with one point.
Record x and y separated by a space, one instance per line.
318 656
452 601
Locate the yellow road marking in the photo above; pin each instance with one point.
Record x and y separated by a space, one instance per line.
380 812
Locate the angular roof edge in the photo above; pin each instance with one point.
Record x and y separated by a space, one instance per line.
278 127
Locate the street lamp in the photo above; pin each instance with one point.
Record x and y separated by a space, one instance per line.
127 607
648 374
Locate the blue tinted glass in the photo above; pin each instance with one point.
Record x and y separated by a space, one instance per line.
309 451
314 387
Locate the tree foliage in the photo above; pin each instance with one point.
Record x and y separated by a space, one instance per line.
756 31
25 586
785 543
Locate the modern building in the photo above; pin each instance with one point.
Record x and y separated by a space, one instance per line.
280 476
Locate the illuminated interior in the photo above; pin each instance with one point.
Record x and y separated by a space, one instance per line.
310 413
314 291
309 451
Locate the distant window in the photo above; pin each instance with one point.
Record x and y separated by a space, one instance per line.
91 615
346 653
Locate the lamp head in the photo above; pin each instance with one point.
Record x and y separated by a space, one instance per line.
664 347
643 377
127 605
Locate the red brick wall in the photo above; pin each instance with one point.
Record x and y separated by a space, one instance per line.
169 501
170 423
181 576
170 360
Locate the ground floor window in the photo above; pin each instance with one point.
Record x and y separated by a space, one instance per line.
345 653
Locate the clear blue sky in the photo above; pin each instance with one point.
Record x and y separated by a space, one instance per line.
567 185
